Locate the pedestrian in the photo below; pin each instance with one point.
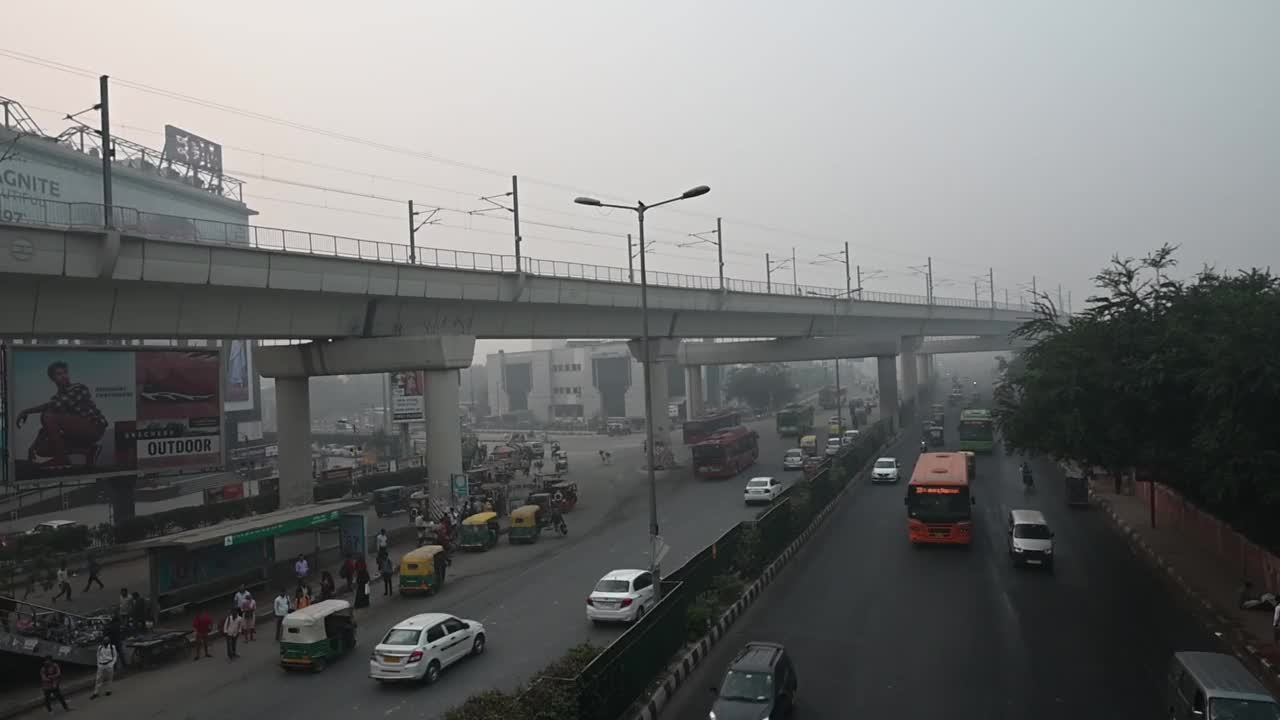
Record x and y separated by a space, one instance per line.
382 540
301 568
106 668
138 612
94 569
64 583
231 628
238 600
203 625
115 633
362 587
348 572
1275 625
281 608
122 610
249 612
327 587
51 684
384 568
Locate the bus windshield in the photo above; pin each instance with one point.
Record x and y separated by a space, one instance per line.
708 454
975 430
938 503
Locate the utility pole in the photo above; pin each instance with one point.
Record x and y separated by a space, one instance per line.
1035 294
1060 305
515 214
413 231
991 283
848 280
1006 296
859 268
929 279
631 261
795 281
768 274
720 253
107 152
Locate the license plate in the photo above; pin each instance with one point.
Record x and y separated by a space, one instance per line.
1033 562
390 660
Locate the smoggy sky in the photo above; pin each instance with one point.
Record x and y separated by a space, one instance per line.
1038 138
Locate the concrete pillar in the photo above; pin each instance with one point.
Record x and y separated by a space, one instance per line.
444 432
120 490
714 377
693 390
887 374
662 353
910 386
293 437
923 363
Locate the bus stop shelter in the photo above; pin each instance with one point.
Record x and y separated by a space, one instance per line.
203 564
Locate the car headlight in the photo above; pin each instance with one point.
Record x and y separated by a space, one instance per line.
712 715
1048 551
1017 549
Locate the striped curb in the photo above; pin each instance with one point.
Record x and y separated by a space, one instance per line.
1240 641
679 671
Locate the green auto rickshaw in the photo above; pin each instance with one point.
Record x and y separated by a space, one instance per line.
422 570
525 525
480 531
316 635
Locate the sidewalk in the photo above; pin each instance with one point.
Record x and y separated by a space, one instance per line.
1202 571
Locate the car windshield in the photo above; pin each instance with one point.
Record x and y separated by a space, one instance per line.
884 464
402 636
764 482
794 452
1031 532
750 687
833 441
1230 709
613 586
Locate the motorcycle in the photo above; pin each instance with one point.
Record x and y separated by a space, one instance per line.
924 447
1027 481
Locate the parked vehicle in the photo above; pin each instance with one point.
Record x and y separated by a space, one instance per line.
422 570
479 532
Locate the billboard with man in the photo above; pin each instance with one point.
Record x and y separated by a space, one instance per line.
407 396
92 412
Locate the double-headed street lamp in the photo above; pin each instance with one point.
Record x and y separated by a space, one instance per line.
639 209
834 297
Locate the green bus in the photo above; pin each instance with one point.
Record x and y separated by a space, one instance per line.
795 420
977 431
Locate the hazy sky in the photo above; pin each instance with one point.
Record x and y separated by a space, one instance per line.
1036 137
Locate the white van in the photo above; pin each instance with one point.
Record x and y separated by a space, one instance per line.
1030 539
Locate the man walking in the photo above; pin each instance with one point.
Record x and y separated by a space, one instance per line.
51 684
106 668
281 608
203 625
385 569
231 628
94 569
64 583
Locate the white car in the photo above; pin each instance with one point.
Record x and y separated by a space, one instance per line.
793 460
849 437
885 470
621 596
762 490
833 446
51 526
420 647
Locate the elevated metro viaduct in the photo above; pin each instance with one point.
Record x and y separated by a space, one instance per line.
372 315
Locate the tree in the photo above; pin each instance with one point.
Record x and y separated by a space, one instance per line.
761 386
1176 379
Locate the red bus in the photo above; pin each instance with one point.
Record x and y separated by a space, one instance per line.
704 426
939 505
726 453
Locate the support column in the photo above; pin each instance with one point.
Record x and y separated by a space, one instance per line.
693 390
293 437
120 490
662 353
713 386
887 374
923 375
444 430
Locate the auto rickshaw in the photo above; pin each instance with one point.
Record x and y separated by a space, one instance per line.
391 500
422 570
525 527
565 495
809 444
316 635
1077 479
562 461
936 435
480 531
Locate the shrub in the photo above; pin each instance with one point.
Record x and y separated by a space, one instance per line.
710 604
749 560
488 705
550 695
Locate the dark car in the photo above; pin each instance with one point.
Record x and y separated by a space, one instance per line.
760 683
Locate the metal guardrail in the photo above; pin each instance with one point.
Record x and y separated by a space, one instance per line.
19 210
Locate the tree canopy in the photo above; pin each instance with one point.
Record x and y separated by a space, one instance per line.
1179 379
761 386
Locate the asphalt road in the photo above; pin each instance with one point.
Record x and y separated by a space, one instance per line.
531 602
878 629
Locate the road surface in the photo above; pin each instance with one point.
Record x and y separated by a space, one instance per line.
881 630
532 606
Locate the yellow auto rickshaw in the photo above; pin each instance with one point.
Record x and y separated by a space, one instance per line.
480 531
525 527
809 444
422 570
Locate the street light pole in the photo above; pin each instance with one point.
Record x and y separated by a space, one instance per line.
640 208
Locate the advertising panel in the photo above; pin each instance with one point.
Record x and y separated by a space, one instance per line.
239 376
93 412
407 396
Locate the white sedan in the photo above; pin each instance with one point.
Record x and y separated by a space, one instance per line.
885 470
420 647
793 460
762 490
621 596
833 446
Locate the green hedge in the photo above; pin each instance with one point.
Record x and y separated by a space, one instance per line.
551 695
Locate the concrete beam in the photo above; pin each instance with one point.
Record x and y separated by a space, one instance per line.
365 355
985 343
799 349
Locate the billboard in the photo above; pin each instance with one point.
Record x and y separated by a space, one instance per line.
239 376
407 389
94 412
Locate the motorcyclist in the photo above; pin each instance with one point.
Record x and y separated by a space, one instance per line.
557 520
1026 474
924 446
